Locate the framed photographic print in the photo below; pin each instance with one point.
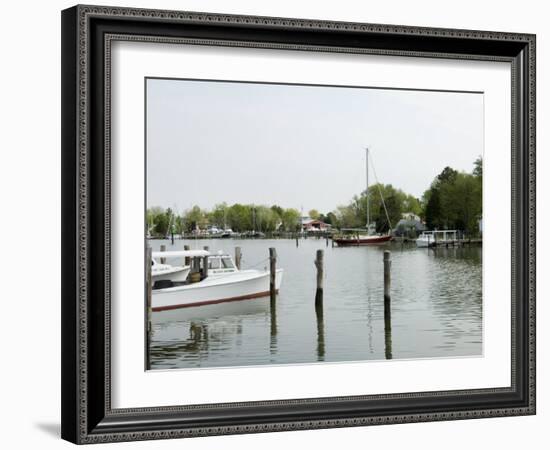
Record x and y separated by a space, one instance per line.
281 224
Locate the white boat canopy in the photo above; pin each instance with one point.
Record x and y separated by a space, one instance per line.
182 254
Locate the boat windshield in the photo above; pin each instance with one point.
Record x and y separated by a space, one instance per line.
220 262
227 263
214 263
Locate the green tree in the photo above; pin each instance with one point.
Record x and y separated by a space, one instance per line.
394 200
277 210
461 201
478 168
347 216
291 219
454 200
435 213
218 216
412 204
162 223
331 219
179 225
239 217
266 219
151 217
447 175
195 218
432 210
314 214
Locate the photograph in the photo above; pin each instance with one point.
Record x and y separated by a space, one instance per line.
274 223
311 224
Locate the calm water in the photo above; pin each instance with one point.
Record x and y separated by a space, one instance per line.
436 309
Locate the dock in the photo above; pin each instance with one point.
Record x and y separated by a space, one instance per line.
458 243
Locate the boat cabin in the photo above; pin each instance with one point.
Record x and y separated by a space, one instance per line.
197 265
219 264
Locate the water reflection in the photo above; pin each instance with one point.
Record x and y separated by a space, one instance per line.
387 328
273 326
320 330
436 309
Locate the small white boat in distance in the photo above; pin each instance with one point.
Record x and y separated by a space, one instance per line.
167 272
223 283
433 238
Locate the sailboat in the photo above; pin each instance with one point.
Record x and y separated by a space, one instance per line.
367 236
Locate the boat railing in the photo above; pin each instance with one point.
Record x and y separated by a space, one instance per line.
442 235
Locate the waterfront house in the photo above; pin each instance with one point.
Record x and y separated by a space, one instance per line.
410 225
315 225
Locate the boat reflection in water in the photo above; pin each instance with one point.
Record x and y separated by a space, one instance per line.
194 333
212 311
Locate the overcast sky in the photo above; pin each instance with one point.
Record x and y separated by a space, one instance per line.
300 146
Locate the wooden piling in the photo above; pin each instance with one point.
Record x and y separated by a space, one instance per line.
320 331
148 298
387 275
273 320
238 256
187 260
387 304
319 261
205 263
163 249
387 331
272 273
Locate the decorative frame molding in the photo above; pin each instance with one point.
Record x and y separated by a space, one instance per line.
87 34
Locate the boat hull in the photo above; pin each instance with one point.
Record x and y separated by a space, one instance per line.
366 240
244 285
174 274
424 243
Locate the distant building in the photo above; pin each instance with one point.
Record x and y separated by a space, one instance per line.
309 224
410 225
410 216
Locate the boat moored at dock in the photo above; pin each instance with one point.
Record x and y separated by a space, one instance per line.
166 272
214 278
368 235
361 239
437 237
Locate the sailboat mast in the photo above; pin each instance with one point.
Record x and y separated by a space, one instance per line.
367 190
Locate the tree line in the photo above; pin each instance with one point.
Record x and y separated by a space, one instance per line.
237 217
453 201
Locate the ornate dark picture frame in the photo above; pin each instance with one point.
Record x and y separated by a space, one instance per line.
87 415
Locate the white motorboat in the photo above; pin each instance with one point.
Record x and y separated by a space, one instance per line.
433 238
221 282
167 272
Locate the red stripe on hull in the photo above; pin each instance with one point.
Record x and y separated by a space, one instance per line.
213 302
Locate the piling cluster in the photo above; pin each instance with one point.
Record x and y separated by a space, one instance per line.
319 265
